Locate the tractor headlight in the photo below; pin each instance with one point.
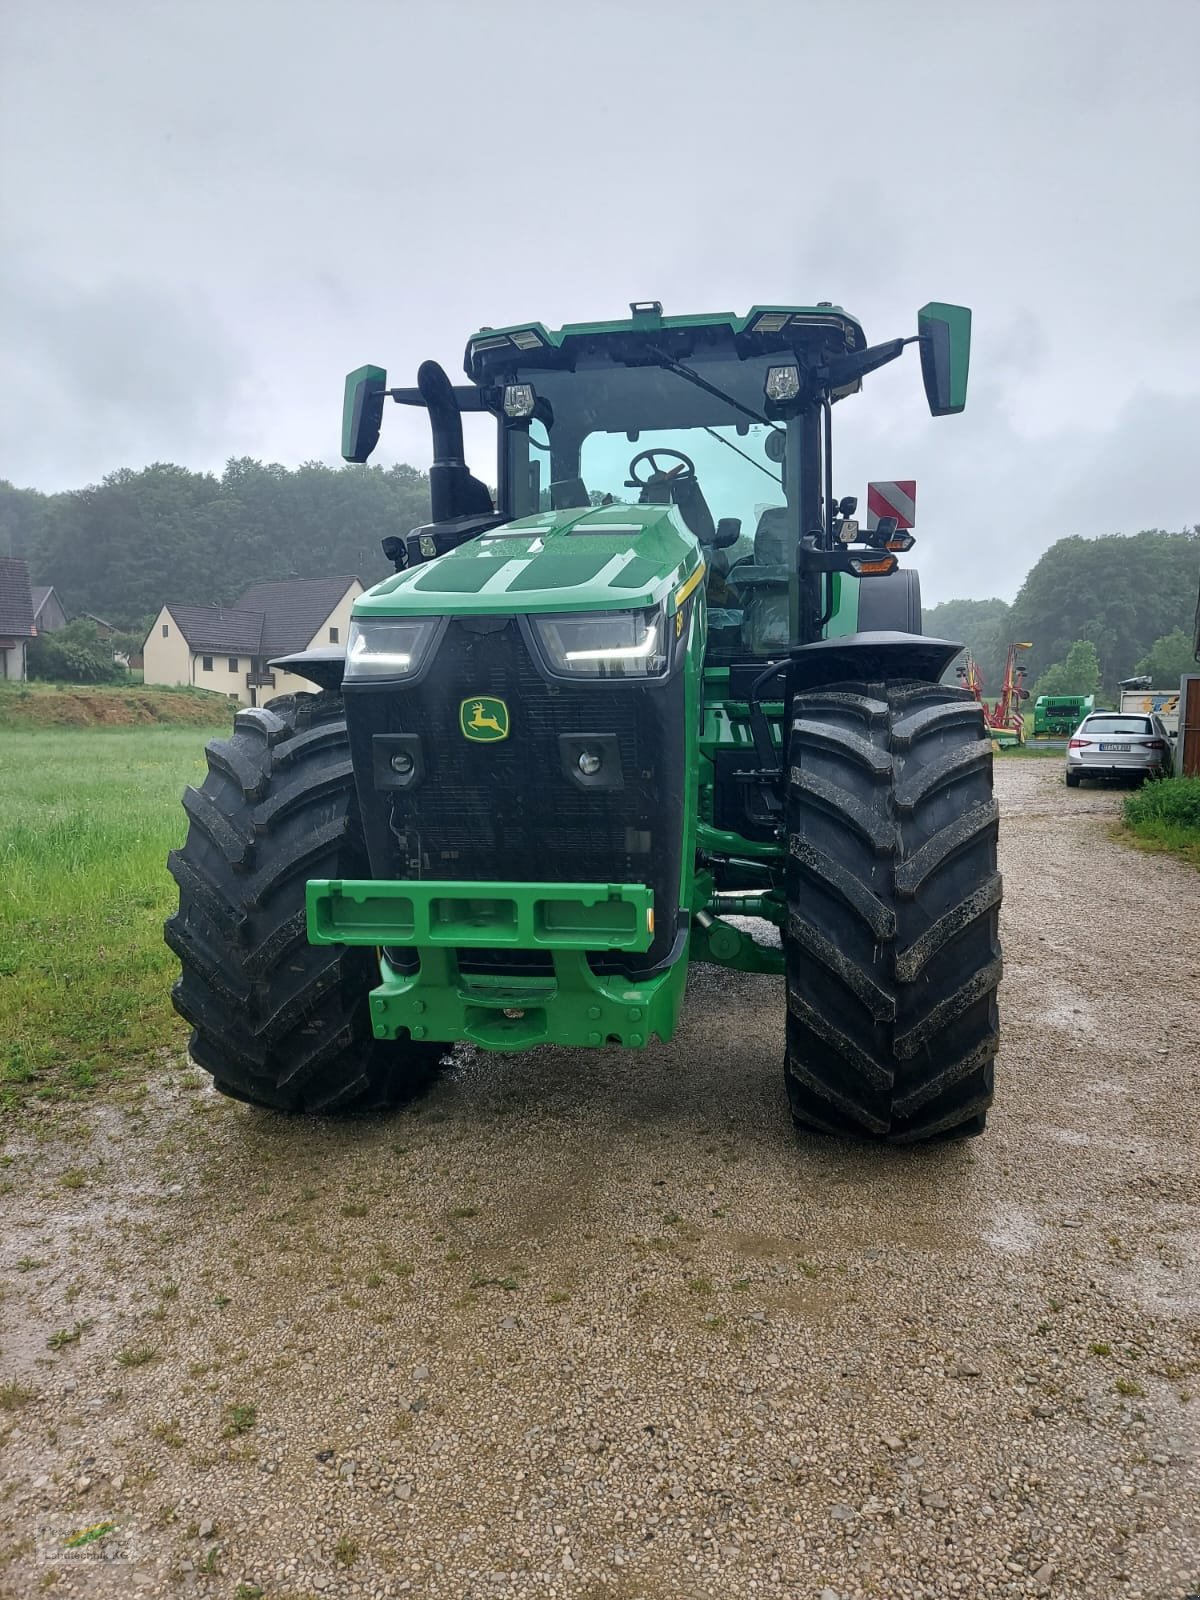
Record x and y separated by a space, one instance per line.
604 644
389 647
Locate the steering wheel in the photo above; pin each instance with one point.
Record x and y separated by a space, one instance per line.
685 472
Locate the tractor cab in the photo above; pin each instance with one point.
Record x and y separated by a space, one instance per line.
726 419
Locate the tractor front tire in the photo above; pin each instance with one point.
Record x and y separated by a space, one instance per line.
279 1022
892 937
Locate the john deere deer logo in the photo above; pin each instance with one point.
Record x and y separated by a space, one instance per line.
483 718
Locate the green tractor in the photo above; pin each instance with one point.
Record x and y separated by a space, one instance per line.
660 701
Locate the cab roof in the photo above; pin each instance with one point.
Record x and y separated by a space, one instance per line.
764 330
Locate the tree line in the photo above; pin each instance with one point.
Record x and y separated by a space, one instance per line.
1093 610
120 548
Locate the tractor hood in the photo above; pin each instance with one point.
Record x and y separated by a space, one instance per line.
600 558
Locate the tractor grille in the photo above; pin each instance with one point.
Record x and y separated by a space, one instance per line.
507 810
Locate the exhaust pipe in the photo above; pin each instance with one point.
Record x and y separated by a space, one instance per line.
453 492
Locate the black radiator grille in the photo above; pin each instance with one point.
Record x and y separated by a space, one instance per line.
507 810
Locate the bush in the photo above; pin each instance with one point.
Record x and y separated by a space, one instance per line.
74 654
1173 800
1166 816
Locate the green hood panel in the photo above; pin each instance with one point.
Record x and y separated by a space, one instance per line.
601 559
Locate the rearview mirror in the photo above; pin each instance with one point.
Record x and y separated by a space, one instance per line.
945 333
362 411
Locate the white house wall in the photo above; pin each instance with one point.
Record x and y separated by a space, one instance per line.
166 661
12 662
221 679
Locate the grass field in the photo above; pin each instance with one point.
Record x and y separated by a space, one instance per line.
86 820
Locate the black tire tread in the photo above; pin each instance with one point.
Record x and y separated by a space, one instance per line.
276 1021
892 937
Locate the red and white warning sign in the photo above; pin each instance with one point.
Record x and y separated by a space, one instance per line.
897 500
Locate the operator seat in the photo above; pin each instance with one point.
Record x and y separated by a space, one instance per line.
762 582
569 494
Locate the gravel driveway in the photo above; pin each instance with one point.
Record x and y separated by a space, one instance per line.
598 1325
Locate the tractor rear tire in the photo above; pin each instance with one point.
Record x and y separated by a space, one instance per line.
892 938
279 1022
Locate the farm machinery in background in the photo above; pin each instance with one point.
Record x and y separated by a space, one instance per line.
1005 719
1058 715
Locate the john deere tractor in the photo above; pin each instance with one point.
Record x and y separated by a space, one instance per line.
661 700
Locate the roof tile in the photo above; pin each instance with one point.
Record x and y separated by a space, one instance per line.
220 630
293 609
16 602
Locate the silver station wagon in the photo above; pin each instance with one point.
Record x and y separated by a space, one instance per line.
1112 744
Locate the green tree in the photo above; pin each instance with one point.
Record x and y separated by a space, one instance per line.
122 547
1079 673
22 515
1121 592
74 654
1168 659
981 625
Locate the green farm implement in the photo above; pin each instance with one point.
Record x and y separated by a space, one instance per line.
659 700
1059 714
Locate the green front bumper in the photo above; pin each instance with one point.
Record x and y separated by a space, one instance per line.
575 1006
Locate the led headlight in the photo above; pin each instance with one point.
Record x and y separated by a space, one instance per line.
604 644
388 647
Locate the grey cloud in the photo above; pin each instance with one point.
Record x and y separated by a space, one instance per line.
264 196
104 376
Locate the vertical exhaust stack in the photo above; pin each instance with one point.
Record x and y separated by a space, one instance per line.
453 491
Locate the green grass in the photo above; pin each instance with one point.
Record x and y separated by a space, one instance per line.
13 1395
86 820
1166 816
136 1356
238 1420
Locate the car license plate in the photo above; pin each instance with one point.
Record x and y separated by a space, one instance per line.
1114 747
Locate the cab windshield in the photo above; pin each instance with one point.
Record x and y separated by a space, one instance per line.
647 435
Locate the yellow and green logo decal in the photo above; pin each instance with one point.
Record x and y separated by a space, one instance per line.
483 718
85 1536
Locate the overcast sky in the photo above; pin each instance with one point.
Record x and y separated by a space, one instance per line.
211 211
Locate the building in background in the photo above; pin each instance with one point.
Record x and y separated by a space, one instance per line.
227 648
49 613
16 617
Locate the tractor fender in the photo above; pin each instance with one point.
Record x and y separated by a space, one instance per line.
325 667
876 657
890 601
